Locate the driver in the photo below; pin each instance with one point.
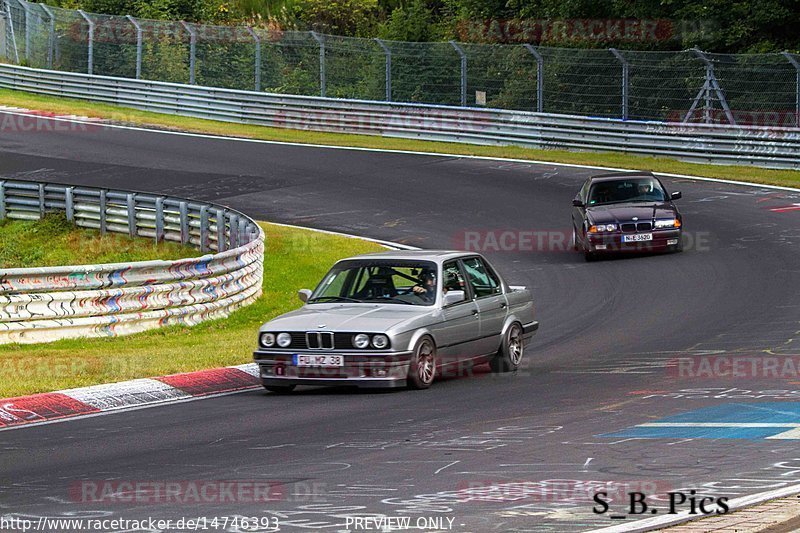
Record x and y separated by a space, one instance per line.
426 289
645 188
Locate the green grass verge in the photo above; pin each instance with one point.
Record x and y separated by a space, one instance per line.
295 259
789 178
54 241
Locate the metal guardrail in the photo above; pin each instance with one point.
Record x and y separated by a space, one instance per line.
711 143
51 303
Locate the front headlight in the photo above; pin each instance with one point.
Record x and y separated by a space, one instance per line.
599 228
380 341
361 341
268 340
284 340
668 223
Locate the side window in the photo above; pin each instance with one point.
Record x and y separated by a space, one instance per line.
452 279
483 281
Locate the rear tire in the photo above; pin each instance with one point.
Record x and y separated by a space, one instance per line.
589 256
422 369
280 389
511 351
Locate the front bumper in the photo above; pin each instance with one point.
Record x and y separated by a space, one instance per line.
666 239
384 370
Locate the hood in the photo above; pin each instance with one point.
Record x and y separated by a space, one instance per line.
348 317
621 213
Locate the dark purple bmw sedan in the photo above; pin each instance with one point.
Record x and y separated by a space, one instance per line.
625 211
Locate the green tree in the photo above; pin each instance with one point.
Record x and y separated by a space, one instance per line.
340 17
412 23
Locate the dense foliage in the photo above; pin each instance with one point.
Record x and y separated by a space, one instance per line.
571 71
715 25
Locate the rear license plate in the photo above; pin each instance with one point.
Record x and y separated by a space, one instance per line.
639 237
325 361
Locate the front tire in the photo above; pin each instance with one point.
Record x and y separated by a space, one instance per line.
510 355
280 389
422 369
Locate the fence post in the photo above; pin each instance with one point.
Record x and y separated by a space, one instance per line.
131 201
41 201
796 66
10 31
90 68
257 66
233 237
51 39
183 209
138 45
103 210
2 200
204 239
220 231
388 54
159 219
322 78
625 81
192 51
463 57
26 10
539 76
69 203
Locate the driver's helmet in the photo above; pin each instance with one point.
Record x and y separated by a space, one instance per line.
645 187
426 276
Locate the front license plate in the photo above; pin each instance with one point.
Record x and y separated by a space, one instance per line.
327 361
639 237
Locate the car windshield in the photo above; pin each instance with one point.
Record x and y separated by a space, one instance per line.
626 190
384 281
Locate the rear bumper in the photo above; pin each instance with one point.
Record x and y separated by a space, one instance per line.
662 240
368 371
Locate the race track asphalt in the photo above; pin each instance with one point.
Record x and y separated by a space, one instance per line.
494 453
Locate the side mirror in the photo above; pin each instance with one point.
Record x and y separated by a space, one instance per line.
676 195
577 203
453 297
304 295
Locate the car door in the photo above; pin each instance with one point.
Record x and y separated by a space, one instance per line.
459 331
491 301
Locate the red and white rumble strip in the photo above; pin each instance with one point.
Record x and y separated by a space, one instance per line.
86 401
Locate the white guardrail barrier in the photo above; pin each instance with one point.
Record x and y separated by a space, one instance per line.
50 303
710 143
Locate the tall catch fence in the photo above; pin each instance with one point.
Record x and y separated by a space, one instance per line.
685 86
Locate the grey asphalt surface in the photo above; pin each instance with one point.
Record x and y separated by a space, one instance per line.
494 453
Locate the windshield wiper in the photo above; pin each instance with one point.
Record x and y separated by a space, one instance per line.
334 299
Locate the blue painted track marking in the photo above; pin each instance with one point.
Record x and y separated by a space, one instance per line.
766 420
